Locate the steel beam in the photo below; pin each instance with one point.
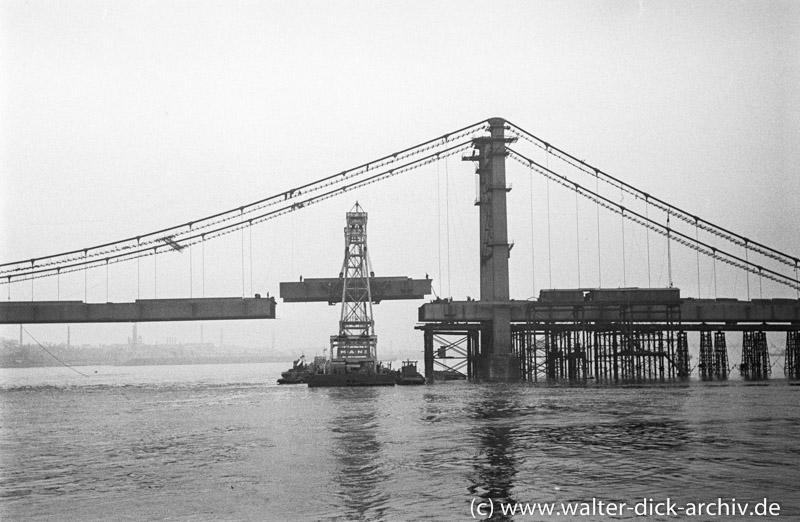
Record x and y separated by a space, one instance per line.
329 290
140 311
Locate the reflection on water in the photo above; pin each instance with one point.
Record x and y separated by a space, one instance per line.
223 443
495 466
360 468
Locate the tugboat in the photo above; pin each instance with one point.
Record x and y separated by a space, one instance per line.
408 374
300 370
297 374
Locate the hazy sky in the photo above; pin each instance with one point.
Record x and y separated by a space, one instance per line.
119 118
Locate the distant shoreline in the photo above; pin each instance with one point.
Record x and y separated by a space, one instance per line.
158 361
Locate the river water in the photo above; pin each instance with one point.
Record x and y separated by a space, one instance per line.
223 442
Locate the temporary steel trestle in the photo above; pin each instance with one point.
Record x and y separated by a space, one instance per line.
581 349
755 356
792 368
607 335
550 352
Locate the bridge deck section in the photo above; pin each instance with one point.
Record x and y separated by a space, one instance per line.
329 290
684 314
139 311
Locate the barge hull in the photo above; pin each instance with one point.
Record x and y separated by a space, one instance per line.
320 380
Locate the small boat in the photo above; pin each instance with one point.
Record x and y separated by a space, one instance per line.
448 375
298 373
408 374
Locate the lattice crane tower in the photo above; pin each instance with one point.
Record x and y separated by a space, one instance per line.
356 342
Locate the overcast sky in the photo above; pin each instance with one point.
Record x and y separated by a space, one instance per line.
122 117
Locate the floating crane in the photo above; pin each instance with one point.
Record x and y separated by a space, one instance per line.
353 354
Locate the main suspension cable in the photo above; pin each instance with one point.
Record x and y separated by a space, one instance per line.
220 217
202 236
664 230
681 214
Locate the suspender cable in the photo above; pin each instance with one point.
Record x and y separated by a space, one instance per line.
622 219
155 273
647 216
222 229
241 217
669 253
662 229
106 280
714 257
533 251
191 268
439 219
578 235
624 271
138 274
597 209
204 264
327 181
746 274
447 220
678 212
549 249
697 238
250 227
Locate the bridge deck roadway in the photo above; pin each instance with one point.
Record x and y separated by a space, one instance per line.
330 289
691 314
142 310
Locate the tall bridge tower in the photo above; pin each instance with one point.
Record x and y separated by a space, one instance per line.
356 342
489 153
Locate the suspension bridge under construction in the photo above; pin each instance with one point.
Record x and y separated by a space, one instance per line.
563 333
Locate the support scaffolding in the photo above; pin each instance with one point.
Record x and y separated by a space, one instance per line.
713 358
580 352
720 356
792 367
682 355
450 351
706 365
626 334
755 356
